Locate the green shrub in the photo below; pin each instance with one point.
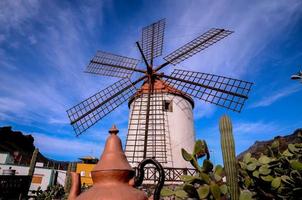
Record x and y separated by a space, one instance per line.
277 175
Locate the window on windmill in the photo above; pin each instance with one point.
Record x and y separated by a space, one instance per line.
168 105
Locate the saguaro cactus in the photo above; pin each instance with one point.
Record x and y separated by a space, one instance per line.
228 153
33 162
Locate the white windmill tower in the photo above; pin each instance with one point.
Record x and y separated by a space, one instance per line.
161 119
170 125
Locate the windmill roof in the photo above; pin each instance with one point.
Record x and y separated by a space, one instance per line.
160 86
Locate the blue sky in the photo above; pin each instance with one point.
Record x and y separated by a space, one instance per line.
45 46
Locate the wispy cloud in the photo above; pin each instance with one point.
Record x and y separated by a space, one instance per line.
203 110
14 14
245 134
255 127
248 128
11 105
61 51
232 56
273 97
2 38
66 148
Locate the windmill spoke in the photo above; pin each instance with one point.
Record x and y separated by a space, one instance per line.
198 44
152 40
91 110
108 64
149 69
150 91
223 91
156 137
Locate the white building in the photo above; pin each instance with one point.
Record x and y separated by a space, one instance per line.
43 177
170 126
6 158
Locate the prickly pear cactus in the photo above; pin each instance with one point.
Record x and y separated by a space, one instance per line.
277 175
207 184
229 157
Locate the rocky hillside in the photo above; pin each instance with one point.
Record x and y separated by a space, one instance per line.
261 146
22 147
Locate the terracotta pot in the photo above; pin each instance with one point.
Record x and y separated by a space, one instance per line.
112 176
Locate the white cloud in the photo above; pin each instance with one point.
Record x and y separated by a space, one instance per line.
63 53
14 14
10 104
255 127
203 109
232 55
32 39
2 38
245 134
29 99
255 25
273 97
249 128
66 147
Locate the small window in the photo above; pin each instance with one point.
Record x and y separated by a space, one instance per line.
82 173
168 105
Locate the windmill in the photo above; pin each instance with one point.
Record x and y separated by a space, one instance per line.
154 93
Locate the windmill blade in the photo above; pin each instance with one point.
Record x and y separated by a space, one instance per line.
91 110
200 43
108 64
152 39
225 92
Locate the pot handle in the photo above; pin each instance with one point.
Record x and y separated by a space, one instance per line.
138 180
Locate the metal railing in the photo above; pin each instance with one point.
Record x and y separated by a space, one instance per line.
171 174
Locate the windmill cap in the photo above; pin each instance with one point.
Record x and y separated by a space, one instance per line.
160 86
113 157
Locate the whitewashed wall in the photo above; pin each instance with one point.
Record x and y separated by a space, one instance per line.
61 177
47 178
6 158
179 130
47 175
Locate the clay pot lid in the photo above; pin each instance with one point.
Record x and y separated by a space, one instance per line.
113 157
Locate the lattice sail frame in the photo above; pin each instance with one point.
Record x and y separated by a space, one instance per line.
152 39
99 105
198 44
157 136
108 64
212 88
